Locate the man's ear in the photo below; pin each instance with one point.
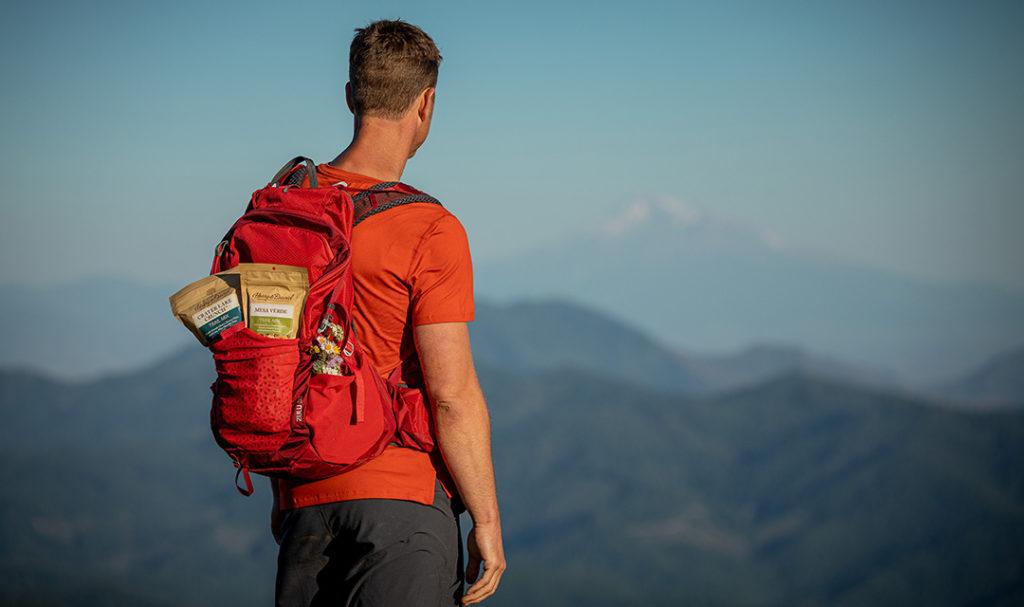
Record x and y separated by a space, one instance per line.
348 97
425 107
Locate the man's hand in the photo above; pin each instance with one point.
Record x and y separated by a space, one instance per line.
484 548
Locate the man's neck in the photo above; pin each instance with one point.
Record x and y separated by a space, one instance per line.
379 149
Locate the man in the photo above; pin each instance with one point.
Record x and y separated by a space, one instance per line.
387 533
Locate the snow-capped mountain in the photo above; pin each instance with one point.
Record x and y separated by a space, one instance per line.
701 282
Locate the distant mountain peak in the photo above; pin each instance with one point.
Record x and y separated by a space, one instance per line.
654 209
664 212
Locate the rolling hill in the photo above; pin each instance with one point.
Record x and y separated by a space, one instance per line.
792 490
998 382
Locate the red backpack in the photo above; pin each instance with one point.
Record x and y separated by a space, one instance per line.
313 406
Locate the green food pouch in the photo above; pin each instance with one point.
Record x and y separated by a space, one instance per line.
273 297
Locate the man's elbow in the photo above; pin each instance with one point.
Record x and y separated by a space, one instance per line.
446 406
451 404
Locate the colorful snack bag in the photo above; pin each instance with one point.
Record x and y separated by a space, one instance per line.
209 306
273 296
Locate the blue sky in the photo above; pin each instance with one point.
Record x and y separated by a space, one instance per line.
885 133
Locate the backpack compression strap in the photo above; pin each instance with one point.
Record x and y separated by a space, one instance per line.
380 197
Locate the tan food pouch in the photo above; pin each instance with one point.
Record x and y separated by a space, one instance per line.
273 296
209 306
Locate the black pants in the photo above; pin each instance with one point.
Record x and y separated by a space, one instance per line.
372 553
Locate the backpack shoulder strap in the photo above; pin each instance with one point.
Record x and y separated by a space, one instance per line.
384 196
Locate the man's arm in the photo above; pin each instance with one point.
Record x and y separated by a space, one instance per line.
464 438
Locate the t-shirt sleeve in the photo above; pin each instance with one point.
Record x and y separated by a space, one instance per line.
441 275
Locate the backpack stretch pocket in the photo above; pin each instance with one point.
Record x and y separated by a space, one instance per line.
253 394
347 421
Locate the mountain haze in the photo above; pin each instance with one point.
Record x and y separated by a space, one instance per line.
999 381
691 279
88 328
102 335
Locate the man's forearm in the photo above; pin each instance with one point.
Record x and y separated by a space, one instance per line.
464 438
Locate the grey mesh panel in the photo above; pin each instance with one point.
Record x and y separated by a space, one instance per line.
364 206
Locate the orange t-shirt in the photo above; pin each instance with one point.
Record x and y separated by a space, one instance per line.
410 266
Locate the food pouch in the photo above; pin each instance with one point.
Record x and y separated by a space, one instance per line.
273 296
209 306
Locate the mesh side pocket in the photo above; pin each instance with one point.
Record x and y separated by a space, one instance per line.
252 404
